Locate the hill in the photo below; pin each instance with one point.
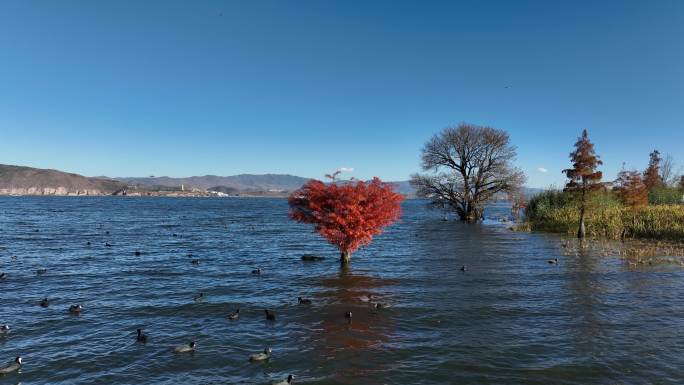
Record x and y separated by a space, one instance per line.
19 180
242 182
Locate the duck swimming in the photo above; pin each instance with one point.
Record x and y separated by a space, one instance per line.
107 244
75 309
463 268
256 271
552 261
235 315
288 381
44 302
348 315
41 271
137 253
365 298
261 356
3 275
195 261
303 301
199 297
189 348
270 315
4 329
381 305
141 337
12 367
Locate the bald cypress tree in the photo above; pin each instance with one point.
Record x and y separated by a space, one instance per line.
652 177
584 177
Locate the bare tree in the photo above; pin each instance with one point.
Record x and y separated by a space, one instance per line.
465 167
667 170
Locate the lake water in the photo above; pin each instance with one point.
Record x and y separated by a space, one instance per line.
510 318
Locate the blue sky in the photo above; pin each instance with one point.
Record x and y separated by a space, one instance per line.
132 88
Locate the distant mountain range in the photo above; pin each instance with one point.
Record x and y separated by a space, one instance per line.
18 180
242 182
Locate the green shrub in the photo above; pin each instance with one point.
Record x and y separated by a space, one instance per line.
546 201
665 196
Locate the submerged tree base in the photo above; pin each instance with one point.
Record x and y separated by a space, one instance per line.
345 257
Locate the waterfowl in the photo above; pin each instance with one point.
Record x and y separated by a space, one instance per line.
141 337
75 309
107 232
463 268
312 257
189 348
137 253
235 315
261 356
365 298
199 297
348 315
175 235
44 302
189 255
288 381
270 315
14 258
4 329
88 243
552 261
195 261
41 271
107 244
303 301
381 305
256 271
12 367
3 275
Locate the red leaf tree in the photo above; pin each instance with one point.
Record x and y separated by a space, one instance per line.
652 177
583 176
631 189
347 214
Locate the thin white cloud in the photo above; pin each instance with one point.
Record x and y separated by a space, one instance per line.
543 170
346 169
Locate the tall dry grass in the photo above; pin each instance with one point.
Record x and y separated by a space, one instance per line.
556 212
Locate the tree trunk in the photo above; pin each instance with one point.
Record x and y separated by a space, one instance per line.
581 232
469 213
345 257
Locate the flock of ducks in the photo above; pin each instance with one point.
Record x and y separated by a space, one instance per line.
190 347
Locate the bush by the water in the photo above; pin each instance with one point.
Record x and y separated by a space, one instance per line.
665 196
557 211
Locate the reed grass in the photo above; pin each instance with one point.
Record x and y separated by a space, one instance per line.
606 218
652 222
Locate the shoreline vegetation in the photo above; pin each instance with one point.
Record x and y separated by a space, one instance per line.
556 212
646 205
